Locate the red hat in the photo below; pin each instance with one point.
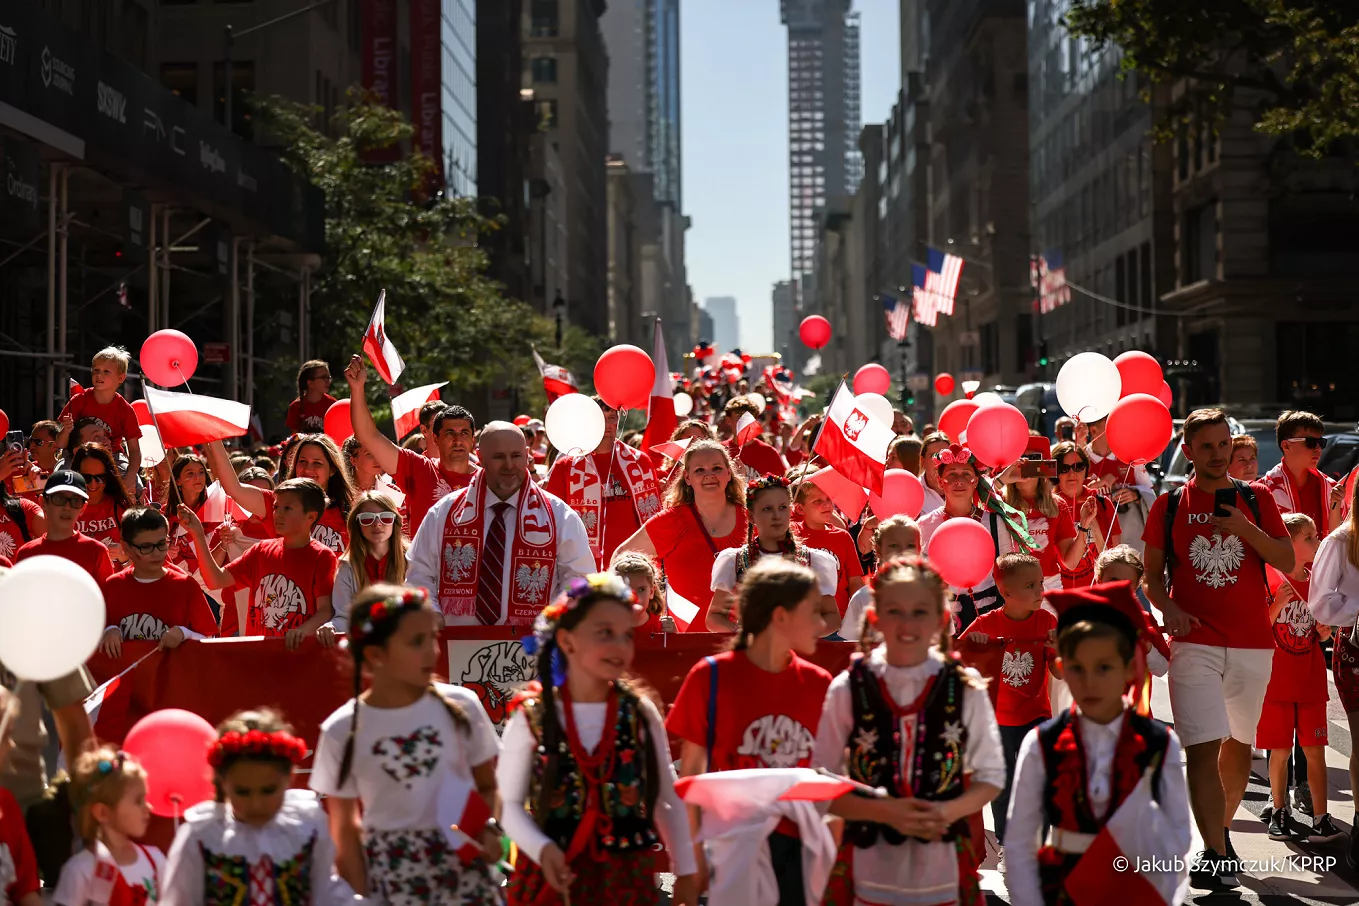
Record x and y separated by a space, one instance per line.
1039 444
1111 602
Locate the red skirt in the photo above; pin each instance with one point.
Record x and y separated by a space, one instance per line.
618 879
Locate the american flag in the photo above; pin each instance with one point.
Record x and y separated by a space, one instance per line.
922 301
898 317
942 279
1048 274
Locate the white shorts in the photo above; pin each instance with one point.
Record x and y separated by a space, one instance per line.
1217 692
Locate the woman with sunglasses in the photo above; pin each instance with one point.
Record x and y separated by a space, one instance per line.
108 500
1049 519
377 553
1096 516
307 413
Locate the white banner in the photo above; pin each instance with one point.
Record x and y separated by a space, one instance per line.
495 671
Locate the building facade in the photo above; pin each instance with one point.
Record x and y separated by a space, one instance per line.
726 334
457 81
783 300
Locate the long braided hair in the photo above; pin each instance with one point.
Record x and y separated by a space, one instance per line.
374 619
789 546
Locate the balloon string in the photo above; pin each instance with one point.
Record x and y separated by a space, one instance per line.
175 365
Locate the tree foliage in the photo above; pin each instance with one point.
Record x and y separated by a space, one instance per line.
1298 61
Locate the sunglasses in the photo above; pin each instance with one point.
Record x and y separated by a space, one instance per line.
1313 443
1063 468
69 501
367 519
319 377
94 479
146 549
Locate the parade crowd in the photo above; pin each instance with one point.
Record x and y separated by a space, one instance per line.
1024 694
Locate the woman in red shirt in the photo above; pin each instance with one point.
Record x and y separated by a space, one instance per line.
1049 519
1097 522
108 500
705 513
307 413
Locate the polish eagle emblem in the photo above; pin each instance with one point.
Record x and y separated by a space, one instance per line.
1218 560
648 505
855 424
1016 667
591 519
458 560
532 580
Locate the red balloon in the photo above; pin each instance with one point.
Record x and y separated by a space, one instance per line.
962 551
1140 372
1139 428
521 420
953 420
338 425
902 492
943 383
143 413
998 435
1165 396
172 745
624 376
4 422
872 378
815 331
169 358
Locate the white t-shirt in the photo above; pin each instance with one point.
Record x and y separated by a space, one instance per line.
77 884
823 564
853 619
401 756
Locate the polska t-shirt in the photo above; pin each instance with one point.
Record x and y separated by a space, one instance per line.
1023 678
1050 532
1218 577
308 418
100 522
116 417
764 720
284 583
146 610
89 554
838 543
425 483
1299 673
11 536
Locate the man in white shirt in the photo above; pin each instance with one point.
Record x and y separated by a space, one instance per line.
499 550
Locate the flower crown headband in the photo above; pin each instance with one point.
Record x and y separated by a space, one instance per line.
545 626
410 599
257 742
955 455
764 483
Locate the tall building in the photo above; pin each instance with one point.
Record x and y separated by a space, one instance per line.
456 75
783 300
823 115
726 322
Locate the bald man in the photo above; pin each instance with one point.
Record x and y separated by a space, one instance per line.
498 551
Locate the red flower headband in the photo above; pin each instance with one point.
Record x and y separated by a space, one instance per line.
409 599
257 742
954 455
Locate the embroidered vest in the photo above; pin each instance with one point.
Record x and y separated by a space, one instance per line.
1066 802
226 879
627 826
877 748
744 561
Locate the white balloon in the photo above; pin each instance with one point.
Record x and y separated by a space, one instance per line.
575 424
51 618
684 404
988 399
758 401
153 452
1088 386
876 405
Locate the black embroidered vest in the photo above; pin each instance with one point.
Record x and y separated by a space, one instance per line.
1066 802
628 827
875 747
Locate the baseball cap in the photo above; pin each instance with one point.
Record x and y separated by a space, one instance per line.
64 481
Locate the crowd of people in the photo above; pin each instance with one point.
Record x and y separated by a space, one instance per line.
1025 692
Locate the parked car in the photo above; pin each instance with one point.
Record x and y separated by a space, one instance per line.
1039 404
1341 454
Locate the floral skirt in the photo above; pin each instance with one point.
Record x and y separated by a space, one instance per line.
419 868
615 880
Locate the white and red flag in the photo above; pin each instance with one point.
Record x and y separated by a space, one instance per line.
406 407
75 388
671 449
462 815
217 506
747 429
557 381
854 442
661 419
188 419
381 352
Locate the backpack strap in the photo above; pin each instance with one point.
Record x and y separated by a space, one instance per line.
1172 506
712 708
1253 504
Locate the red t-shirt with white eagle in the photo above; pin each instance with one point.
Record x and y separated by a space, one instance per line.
330 530
147 610
1218 577
838 543
11 537
1299 673
284 583
116 417
1023 678
425 483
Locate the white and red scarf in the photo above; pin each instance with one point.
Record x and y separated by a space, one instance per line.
1289 496
531 547
585 493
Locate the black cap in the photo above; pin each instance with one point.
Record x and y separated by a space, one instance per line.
64 481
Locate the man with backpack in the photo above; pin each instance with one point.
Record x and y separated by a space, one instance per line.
1206 549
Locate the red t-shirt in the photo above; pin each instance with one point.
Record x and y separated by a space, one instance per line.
330 530
15 843
1218 578
1023 678
838 543
11 537
760 456
620 515
1084 573
100 522
147 610
764 720
1299 673
284 583
308 418
117 418
425 483
92 556
687 552
1049 531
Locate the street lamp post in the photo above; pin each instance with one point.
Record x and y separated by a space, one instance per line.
231 37
559 306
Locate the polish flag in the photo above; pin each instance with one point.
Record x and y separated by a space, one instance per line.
188 419
75 388
680 608
853 441
108 705
406 407
661 419
217 506
1136 834
463 815
672 449
385 487
747 429
379 346
557 381
847 496
731 794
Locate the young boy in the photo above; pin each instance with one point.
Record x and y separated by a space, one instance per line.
1030 657
1295 701
1105 745
148 600
895 536
108 370
63 500
1123 564
290 577
1296 483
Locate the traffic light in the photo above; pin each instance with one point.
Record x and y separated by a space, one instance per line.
910 399
1043 354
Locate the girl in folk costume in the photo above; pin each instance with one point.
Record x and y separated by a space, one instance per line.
771 513
377 553
405 761
589 792
1105 779
260 843
909 718
1048 519
640 573
108 793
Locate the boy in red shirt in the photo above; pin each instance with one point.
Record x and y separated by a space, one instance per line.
148 600
1295 701
817 530
63 500
290 577
115 415
1030 635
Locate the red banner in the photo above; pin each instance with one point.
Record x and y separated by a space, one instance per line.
427 84
379 63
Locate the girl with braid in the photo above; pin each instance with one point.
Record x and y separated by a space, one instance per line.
588 787
415 755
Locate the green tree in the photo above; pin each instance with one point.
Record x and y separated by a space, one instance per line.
1298 62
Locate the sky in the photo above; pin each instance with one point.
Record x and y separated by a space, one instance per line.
734 120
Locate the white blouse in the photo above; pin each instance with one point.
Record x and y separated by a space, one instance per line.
1333 597
515 771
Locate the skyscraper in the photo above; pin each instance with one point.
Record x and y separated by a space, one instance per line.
823 115
642 37
726 322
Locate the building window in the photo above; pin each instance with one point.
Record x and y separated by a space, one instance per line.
242 83
544 13
1198 244
182 79
546 114
544 69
